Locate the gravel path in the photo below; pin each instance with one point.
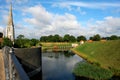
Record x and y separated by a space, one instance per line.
2 73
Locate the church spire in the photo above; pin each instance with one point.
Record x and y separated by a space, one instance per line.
10 19
10 26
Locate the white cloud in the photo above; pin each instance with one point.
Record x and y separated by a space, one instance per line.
62 6
109 26
17 1
48 23
93 5
39 13
66 21
39 16
80 11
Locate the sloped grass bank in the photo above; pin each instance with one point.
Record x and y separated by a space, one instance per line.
84 69
104 54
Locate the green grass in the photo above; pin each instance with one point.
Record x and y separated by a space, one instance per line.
84 69
106 54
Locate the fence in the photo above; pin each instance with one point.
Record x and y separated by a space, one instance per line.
13 68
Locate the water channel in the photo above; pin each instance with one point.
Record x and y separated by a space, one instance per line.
59 65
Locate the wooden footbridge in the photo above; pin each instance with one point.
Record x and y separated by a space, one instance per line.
20 64
58 48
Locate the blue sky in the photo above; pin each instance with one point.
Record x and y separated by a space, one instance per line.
35 18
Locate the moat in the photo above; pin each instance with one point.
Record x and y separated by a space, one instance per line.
58 65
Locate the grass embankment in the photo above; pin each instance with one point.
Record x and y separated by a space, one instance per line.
104 54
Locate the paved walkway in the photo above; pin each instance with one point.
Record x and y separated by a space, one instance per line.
2 73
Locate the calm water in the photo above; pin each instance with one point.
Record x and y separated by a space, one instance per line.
58 66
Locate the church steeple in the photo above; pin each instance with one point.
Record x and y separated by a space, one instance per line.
10 26
10 19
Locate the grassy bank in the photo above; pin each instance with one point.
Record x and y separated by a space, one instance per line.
104 54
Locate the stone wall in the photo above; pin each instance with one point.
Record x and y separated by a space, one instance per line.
29 56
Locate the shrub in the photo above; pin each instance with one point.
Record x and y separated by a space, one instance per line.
91 71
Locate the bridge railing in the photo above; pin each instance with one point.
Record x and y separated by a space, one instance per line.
13 69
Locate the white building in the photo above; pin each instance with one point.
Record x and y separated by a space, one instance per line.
74 45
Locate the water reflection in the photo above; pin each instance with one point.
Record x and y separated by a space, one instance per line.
58 65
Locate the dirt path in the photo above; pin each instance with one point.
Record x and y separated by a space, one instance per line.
2 73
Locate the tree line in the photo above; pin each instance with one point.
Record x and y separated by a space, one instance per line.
22 42
71 38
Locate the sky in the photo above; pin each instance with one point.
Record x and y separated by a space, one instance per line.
36 18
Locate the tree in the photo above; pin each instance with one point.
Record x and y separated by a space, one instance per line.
79 38
91 38
119 37
27 43
20 36
69 38
57 38
50 38
19 41
114 37
72 39
107 38
34 42
7 42
66 37
96 37
43 38
22 42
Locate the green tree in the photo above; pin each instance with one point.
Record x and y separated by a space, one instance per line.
69 38
22 42
27 43
119 37
34 42
66 37
56 38
50 38
91 38
79 38
7 42
43 38
20 36
72 39
19 42
96 37
114 37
